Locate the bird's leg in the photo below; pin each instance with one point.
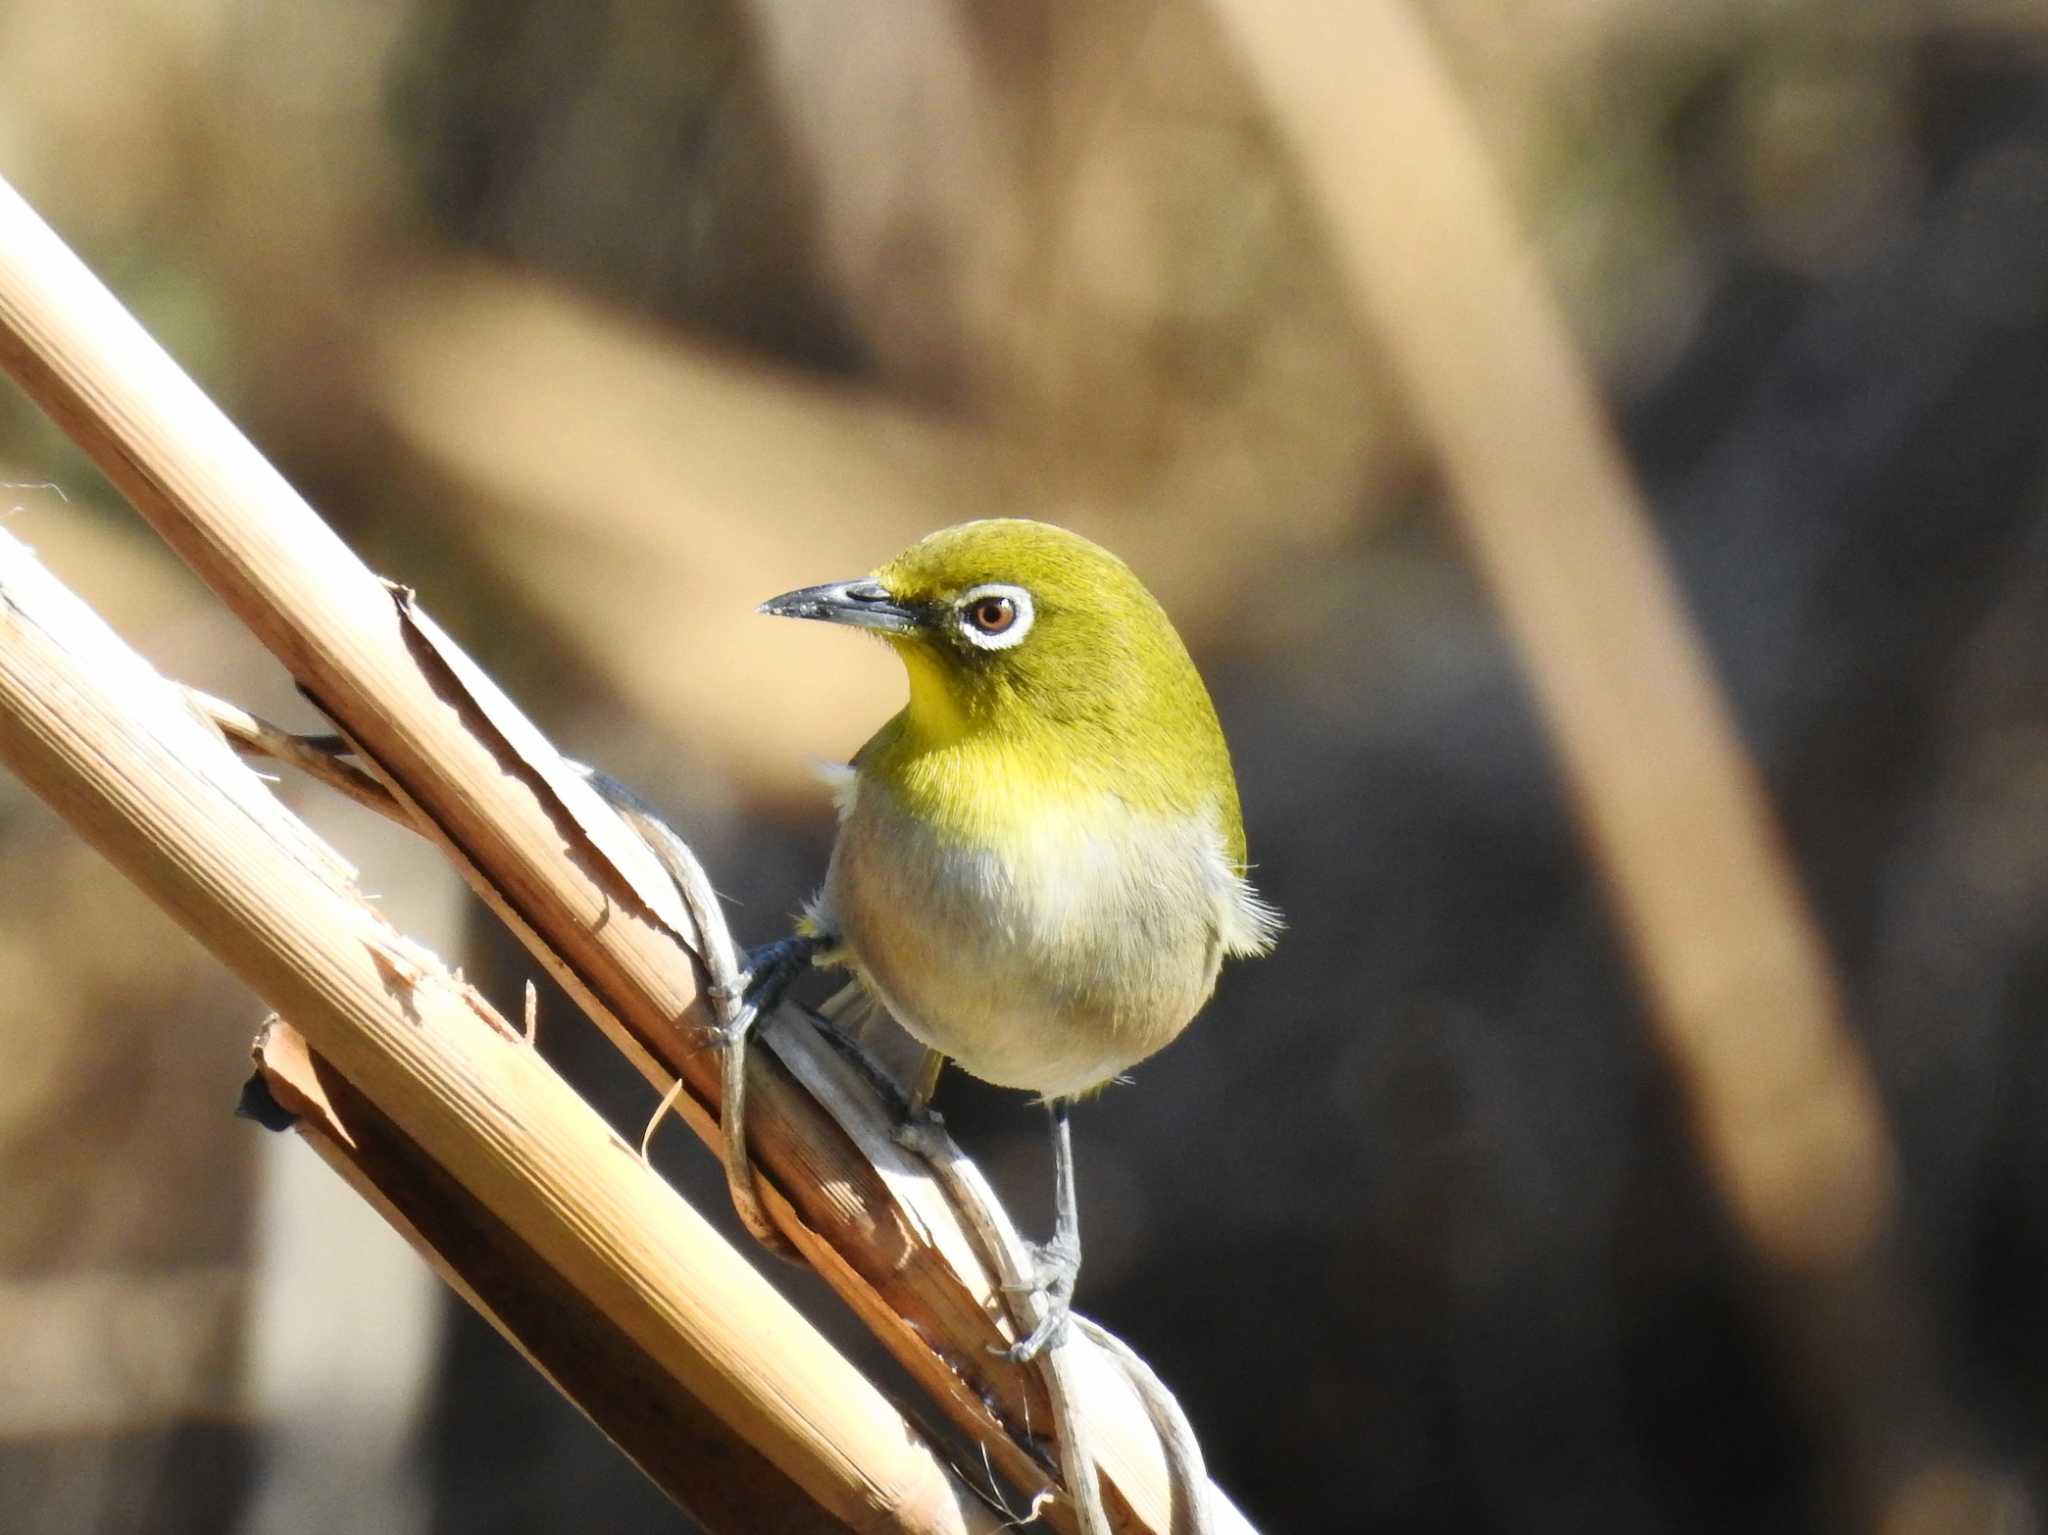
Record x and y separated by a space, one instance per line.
1059 1261
773 966
923 1085
920 1128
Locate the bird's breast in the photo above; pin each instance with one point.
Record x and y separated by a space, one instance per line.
1048 944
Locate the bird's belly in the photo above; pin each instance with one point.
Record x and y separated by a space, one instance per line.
1051 966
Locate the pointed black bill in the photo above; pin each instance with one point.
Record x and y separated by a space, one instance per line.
865 604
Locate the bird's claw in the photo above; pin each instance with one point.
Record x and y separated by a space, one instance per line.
769 971
771 968
921 1132
1059 1266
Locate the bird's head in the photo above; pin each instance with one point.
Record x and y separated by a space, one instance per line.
1023 627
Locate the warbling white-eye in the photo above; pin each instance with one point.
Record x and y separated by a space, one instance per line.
1041 861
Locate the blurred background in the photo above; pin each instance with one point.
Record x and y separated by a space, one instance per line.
597 323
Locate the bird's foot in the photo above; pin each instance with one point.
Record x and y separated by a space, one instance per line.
1059 1267
769 971
920 1131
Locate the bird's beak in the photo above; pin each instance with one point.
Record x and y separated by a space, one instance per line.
866 604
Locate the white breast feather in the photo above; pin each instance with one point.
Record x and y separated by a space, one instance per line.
1055 964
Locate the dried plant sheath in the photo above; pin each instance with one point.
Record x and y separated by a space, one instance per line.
116 750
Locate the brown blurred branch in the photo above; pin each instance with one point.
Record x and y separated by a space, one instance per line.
537 845
1744 1001
484 1138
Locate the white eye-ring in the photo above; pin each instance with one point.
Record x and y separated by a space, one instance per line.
996 616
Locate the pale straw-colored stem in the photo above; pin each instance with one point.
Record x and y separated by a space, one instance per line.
116 750
542 850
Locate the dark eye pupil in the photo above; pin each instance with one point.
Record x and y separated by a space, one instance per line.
992 615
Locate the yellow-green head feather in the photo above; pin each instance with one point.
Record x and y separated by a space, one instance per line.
1083 687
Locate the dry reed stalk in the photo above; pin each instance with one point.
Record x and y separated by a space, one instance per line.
547 857
115 749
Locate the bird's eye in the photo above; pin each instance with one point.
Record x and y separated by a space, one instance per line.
992 615
995 617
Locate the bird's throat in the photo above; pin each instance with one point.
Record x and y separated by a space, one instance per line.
935 718
964 776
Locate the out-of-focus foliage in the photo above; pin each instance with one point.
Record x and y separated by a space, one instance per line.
597 323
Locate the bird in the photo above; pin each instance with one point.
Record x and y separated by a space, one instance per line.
1040 863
